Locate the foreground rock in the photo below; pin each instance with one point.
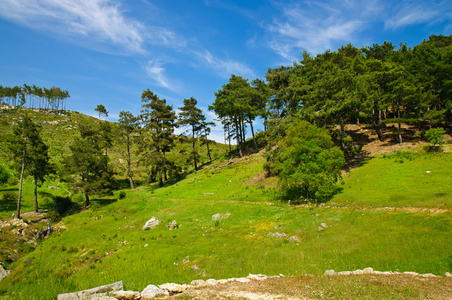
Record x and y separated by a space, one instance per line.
217 217
3 272
151 223
98 291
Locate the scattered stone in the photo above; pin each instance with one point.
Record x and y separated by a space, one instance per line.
323 225
242 280
428 275
91 293
3 272
172 288
145 245
151 291
211 282
368 271
320 228
294 238
280 235
127 295
194 267
411 273
257 277
222 281
151 223
173 225
448 274
198 282
329 273
217 217
344 273
358 272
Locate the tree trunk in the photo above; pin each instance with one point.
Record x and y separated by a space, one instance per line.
239 146
36 195
208 150
129 173
252 132
194 153
86 199
20 184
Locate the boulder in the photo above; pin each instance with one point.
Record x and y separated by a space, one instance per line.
127 295
294 238
172 288
151 291
173 225
368 271
91 293
217 217
329 273
280 235
3 272
151 223
448 274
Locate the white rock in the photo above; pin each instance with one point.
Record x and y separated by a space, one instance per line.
151 291
358 272
127 295
329 273
387 273
211 282
198 282
368 271
217 217
320 228
257 277
222 281
411 273
151 223
344 273
243 279
172 287
294 238
429 275
448 274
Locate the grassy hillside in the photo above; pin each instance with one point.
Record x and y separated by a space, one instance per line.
377 220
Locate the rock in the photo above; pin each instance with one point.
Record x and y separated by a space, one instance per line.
257 277
172 288
386 273
294 238
217 217
429 275
323 225
151 223
211 282
91 293
127 295
320 228
243 280
344 273
448 274
173 225
194 267
358 272
411 273
151 291
3 272
329 273
280 235
198 282
368 271
222 281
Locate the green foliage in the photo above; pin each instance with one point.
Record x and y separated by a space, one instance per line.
307 163
4 175
122 195
435 135
100 108
8 200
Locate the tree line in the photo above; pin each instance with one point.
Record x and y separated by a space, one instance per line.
32 96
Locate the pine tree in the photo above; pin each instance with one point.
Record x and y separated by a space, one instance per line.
158 120
128 124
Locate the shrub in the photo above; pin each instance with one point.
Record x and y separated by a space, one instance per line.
122 195
4 175
435 136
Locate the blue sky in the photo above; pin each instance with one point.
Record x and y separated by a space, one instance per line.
109 51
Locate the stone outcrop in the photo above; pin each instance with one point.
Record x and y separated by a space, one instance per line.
127 295
3 272
99 291
217 217
152 291
280 235
151 223
368 271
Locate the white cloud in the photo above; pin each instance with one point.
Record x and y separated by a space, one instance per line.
419 12
317 25
90 22
156 72
224 67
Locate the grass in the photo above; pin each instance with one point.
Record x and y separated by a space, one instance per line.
108 244
410 179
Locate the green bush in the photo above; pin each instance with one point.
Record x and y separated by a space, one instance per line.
4 175
122 195
435 136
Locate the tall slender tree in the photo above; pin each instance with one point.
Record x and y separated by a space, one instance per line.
128 124
192 117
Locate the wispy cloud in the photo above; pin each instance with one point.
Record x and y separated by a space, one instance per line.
317 25
222 67
409 13
92 22
156 72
